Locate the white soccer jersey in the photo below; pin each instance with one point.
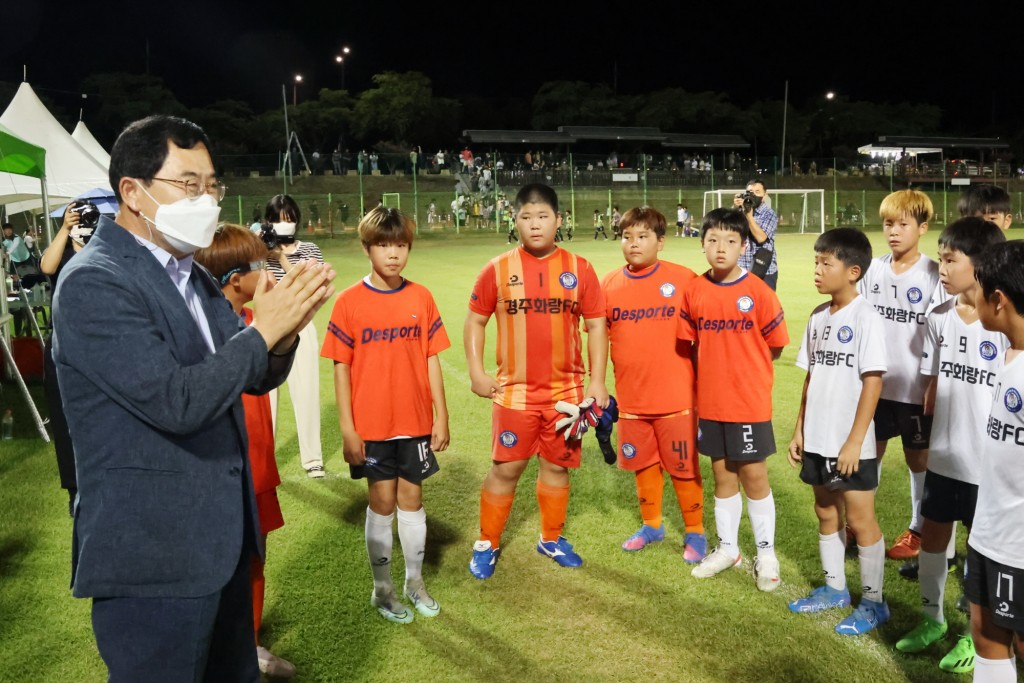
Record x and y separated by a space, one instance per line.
998 531
837 349
903 302
964 359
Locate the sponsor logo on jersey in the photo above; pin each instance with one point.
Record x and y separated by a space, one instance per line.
667 289
628 451
987 350
568 280
845 334
638 314
390 334
1012 400
508 439
876 289
914 295
514 281
745 304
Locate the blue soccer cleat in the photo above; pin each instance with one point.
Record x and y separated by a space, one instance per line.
484 560
821 599
560 551
643 537
695 547
867 617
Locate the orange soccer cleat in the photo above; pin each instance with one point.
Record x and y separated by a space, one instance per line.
906 546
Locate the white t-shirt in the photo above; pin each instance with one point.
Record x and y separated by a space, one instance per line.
903 301
680 215
998 531
965 359
837 349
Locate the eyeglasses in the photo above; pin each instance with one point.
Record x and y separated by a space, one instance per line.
247 268
195 189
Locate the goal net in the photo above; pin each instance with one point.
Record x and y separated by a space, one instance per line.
800 211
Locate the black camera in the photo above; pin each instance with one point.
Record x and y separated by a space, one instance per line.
750 201
270 237
88 213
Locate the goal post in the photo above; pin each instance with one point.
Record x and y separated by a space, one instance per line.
801 211
392 200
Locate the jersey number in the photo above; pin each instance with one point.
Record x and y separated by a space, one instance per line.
963 344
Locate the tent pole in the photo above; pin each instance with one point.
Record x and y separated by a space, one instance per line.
46 211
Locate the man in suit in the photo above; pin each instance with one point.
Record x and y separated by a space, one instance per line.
152 362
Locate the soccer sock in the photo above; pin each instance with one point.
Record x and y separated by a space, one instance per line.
690 493
649 488
872 569
412 534
259 584
553 502
762 519
916 493
994 670
727 523
951 548
378 549
833 560
494 510
931 574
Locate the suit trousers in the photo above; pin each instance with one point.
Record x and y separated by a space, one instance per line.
304 389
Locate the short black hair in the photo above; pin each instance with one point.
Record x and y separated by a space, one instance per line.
141 148
756 181
726 219
983 198
849 245
282 204
536 193
970 236
998 267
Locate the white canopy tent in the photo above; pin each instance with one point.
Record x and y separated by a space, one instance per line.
70 169
83 136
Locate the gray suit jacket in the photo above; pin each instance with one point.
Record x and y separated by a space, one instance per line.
166 505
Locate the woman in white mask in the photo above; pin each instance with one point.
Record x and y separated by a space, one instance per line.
283 215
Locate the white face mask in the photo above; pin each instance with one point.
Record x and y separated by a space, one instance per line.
188 224
284 229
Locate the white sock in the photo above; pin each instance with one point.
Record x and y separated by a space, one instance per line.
931 574
833 559
762 519
872 570
378 549
727 523
951 548
412 532
916 493
994 670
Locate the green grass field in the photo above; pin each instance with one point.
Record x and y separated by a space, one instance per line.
622 617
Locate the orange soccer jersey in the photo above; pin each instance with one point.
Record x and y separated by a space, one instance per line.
386 337
538 303
734 324
653 369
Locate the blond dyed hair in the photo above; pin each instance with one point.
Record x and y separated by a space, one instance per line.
913 203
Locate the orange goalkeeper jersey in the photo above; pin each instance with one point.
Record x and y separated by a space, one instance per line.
538 303
653 368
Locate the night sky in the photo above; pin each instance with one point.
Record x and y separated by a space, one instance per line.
206 51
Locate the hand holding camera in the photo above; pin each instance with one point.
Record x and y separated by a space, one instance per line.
747 200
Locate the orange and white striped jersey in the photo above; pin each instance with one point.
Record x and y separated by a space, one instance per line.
538 303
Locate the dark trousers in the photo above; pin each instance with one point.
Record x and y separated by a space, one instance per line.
772 280
176 640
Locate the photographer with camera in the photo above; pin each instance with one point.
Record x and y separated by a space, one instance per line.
759 257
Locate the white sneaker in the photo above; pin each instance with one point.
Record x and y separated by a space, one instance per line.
766 571
272 665
421 600
316 472
391 608
715 563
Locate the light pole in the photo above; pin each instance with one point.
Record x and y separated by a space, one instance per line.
340 59
295 89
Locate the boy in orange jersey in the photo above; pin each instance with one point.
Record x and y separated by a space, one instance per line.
737 324
654 381
538 293
386 332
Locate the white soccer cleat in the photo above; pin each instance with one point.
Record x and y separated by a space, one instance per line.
766 571
715 563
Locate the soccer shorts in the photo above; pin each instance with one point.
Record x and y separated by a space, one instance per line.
742 442
905 420
948 500
521 434
818 470
670 440
411 459
996 587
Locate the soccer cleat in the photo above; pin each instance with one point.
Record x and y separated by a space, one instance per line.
484 559
421 600
923 635
560 551
714 564
960 659
316 472
391 608
695 547
766 572
644 536
909 569
821 599
868 616
963 604
908 545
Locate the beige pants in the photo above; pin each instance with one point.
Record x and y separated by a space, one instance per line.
304 389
